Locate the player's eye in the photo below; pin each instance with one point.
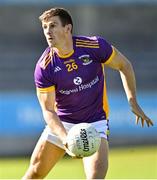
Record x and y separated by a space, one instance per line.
52 25
44 26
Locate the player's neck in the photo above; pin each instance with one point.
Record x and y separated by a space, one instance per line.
64 48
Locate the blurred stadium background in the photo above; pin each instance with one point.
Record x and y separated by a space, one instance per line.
130 25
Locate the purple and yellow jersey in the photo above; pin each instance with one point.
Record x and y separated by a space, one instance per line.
78 79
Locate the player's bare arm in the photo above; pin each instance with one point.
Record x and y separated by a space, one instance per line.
47 101
122 64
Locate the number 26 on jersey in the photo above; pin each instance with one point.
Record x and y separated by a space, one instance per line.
71 66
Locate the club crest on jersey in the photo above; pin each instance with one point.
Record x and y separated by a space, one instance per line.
86 59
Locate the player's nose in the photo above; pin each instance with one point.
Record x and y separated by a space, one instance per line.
49 34
48 31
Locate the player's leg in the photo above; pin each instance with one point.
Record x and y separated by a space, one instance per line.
44 157
96 166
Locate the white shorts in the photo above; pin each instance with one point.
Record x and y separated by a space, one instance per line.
101 126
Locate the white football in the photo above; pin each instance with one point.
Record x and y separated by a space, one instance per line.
83 140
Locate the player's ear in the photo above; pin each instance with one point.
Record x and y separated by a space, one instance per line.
68 28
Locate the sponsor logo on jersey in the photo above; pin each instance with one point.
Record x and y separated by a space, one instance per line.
80 86
57 68
86 59
77 80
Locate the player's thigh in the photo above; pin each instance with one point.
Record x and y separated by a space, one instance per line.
45 156
96 166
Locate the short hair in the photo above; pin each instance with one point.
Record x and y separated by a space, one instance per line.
63 14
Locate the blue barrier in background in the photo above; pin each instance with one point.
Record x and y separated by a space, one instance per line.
122 120
20 114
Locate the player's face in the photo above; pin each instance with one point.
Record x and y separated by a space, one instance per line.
54 31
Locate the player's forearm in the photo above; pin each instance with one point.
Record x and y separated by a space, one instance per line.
55 124
129 82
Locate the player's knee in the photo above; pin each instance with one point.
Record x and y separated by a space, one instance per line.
36 171
33 173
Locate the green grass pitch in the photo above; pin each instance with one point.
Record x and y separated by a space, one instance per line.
124 163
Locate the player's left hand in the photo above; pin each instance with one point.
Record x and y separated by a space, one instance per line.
68 151
140 115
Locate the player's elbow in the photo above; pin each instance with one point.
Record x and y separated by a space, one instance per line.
126 66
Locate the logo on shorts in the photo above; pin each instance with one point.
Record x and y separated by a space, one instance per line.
86 59
77 80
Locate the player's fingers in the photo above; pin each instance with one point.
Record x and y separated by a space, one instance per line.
65 145
137 119
149 122
142 121
70 153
